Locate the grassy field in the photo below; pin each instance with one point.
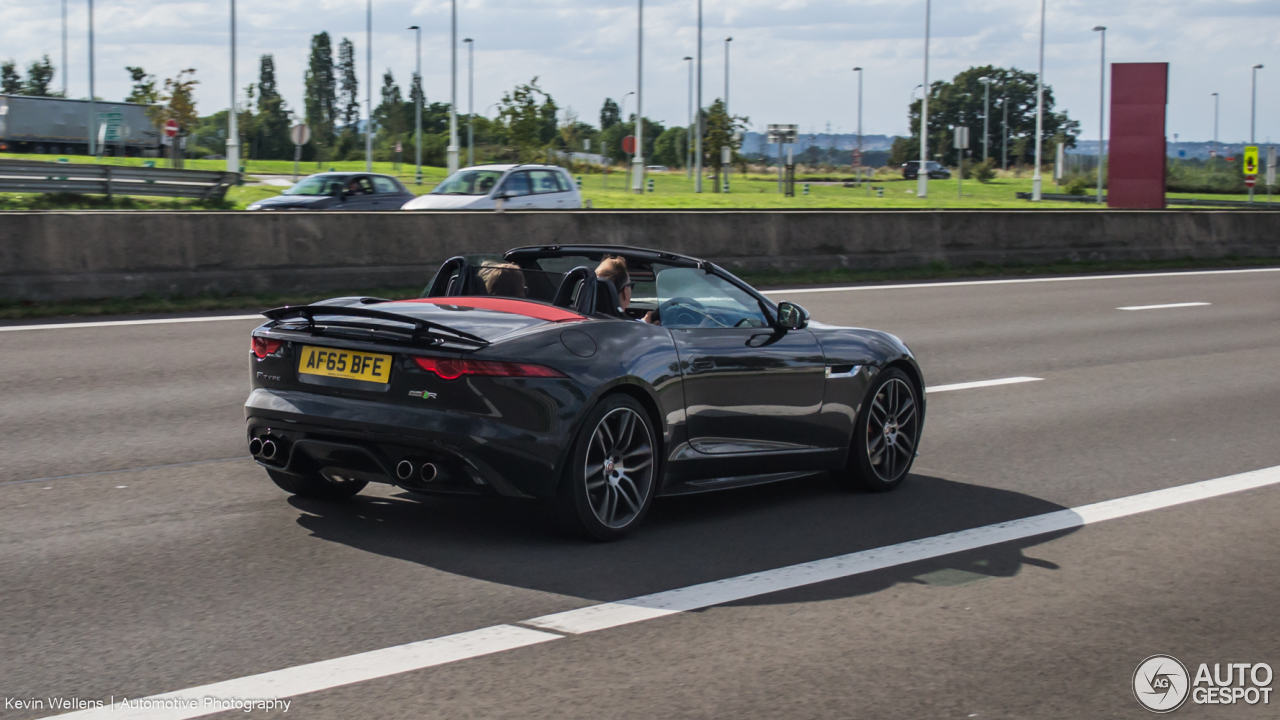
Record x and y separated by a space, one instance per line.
671 190
151 304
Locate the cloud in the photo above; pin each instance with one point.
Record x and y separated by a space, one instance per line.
791 59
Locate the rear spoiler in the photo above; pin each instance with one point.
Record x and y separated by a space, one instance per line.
422 329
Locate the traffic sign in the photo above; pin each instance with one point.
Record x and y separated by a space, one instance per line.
962 138
857 157
783 133
629 144
300 134
1250 180
1251 160
170 128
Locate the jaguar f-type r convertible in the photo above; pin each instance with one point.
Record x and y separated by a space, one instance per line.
531 377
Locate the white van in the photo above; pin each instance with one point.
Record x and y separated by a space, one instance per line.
521 187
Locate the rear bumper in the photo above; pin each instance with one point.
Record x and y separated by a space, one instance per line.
369 439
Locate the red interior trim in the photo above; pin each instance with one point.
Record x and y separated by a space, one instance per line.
514 306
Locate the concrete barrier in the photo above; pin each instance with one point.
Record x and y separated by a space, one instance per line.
63 255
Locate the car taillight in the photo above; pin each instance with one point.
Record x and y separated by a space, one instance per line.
454 368
263 347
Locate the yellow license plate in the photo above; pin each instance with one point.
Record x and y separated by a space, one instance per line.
347 364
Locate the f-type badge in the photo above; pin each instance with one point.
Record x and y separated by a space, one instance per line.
422 394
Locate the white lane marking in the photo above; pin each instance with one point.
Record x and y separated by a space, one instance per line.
1016 281
325 674
438 651
119 323
607 615
1162 307
980 384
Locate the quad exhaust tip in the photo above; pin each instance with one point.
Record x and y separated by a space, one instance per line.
429 472
268 449
255 447
404 470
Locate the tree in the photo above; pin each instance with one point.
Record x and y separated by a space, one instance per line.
961 102
178 102
610 115
10 80
349 88
144 87
390 114
320 98
720 130
670 149
611 139
528 114
272 121
39 77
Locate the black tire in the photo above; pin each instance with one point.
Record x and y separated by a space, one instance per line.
316 487
607 490
885 435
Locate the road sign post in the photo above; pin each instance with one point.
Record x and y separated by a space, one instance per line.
962 144
780 135
1271 170
1250 168
301 135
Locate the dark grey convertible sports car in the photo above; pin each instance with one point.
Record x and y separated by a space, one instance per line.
533 378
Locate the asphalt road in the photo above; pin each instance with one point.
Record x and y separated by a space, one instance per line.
142 552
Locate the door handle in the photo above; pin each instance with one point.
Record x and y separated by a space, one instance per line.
703 364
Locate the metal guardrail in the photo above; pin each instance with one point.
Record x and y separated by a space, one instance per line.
110 180
1240 204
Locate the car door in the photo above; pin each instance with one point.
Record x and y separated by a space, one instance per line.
387 194
518 192
548 191
365 199
749 387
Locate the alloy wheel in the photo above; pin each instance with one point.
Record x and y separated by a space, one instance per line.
892 430
619 467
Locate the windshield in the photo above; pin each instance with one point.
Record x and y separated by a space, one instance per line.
468 182
316 185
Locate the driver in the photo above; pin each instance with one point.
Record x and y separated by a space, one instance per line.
614 269
353 187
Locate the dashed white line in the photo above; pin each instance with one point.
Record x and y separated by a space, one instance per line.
1017 281
1162 307
122 323
980 384
314 677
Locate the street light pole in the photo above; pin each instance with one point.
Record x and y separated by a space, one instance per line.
688 131
637 161
417 107
986 120
93 110
623 113
1215 125
233 133
859 171
453 89
368 90
1253 113
1004 147
64 48
697 134
727 114
1035 179
1102 106
471 98
922 175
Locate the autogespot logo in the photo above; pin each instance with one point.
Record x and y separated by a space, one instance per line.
1160 683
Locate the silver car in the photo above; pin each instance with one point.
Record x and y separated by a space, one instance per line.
520 187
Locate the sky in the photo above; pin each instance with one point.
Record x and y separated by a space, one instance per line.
791 60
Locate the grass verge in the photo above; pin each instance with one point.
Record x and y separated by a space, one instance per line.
152 304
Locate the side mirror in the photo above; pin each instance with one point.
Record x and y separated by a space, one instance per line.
791 316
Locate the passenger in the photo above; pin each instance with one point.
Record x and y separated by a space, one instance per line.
502 279
353 187
614 269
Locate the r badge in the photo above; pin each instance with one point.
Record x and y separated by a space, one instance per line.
422 394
